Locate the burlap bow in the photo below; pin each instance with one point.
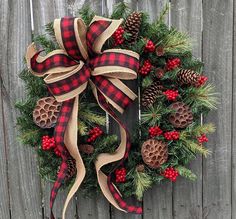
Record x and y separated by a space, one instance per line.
68 71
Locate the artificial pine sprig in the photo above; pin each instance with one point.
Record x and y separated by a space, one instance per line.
185 172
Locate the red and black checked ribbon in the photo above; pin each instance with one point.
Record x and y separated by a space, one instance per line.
68 71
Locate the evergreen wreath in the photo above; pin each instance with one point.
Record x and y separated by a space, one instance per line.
174 96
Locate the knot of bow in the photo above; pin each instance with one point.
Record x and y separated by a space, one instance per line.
68 70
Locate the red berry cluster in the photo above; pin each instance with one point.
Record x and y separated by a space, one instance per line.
201 81
94 133
146 68
120 175
171 94
118 36
154 131
57 152
48 143
203 138
149 47
171 174
171 64
173 135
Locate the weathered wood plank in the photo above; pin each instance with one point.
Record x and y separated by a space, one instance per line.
234 126
24 183
96 207
157 201
4 188
44 12
217 54
130 118
187 196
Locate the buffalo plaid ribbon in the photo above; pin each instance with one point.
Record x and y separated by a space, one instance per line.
68 71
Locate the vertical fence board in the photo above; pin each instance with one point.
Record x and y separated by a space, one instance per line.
46 11
234 124
158 200
187 196
4 188
96 207
217 54
130 119
24 183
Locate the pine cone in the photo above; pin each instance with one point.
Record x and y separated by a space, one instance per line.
46 112
132 25
71 168
140 168
154 153
187 76
182 117
151 93
86 148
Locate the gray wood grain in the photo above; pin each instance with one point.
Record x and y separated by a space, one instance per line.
187 196
158 200
234 126
217 55
21 161
44 12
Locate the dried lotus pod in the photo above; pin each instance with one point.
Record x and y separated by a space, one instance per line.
154 153
182 117
46 112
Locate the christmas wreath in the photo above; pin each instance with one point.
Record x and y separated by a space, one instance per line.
64 114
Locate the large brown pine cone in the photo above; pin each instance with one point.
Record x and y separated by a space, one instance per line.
132 25
187 76
151 93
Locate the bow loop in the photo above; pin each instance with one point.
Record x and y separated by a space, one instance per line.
99 30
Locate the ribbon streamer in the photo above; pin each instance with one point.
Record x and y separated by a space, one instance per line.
68 71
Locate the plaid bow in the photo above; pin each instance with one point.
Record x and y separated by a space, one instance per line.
68 71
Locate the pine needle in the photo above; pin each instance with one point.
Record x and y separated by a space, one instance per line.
196 148
187 173
142 181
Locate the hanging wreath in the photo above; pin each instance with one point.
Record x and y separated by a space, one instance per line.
78 80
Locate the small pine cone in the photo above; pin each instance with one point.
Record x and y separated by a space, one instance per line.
132 25
187 76
140 168
46 112
182 117
86 148
71 168
151 93
154 153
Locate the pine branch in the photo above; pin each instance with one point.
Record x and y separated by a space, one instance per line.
142 181
204 96
183 171
147 81
86 14
176 42
121 10
204 129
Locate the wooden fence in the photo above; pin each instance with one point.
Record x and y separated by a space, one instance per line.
211 23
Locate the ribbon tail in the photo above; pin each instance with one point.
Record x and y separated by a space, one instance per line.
59 132
70 140
109 190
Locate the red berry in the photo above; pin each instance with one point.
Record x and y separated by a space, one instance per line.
173 135
120 175
149 47
118 36
94 133
155 131
203 138
171 174
171 94
57 152
47 142
146 68
201 81
171 64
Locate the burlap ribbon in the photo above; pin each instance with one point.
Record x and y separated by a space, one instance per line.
68 71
